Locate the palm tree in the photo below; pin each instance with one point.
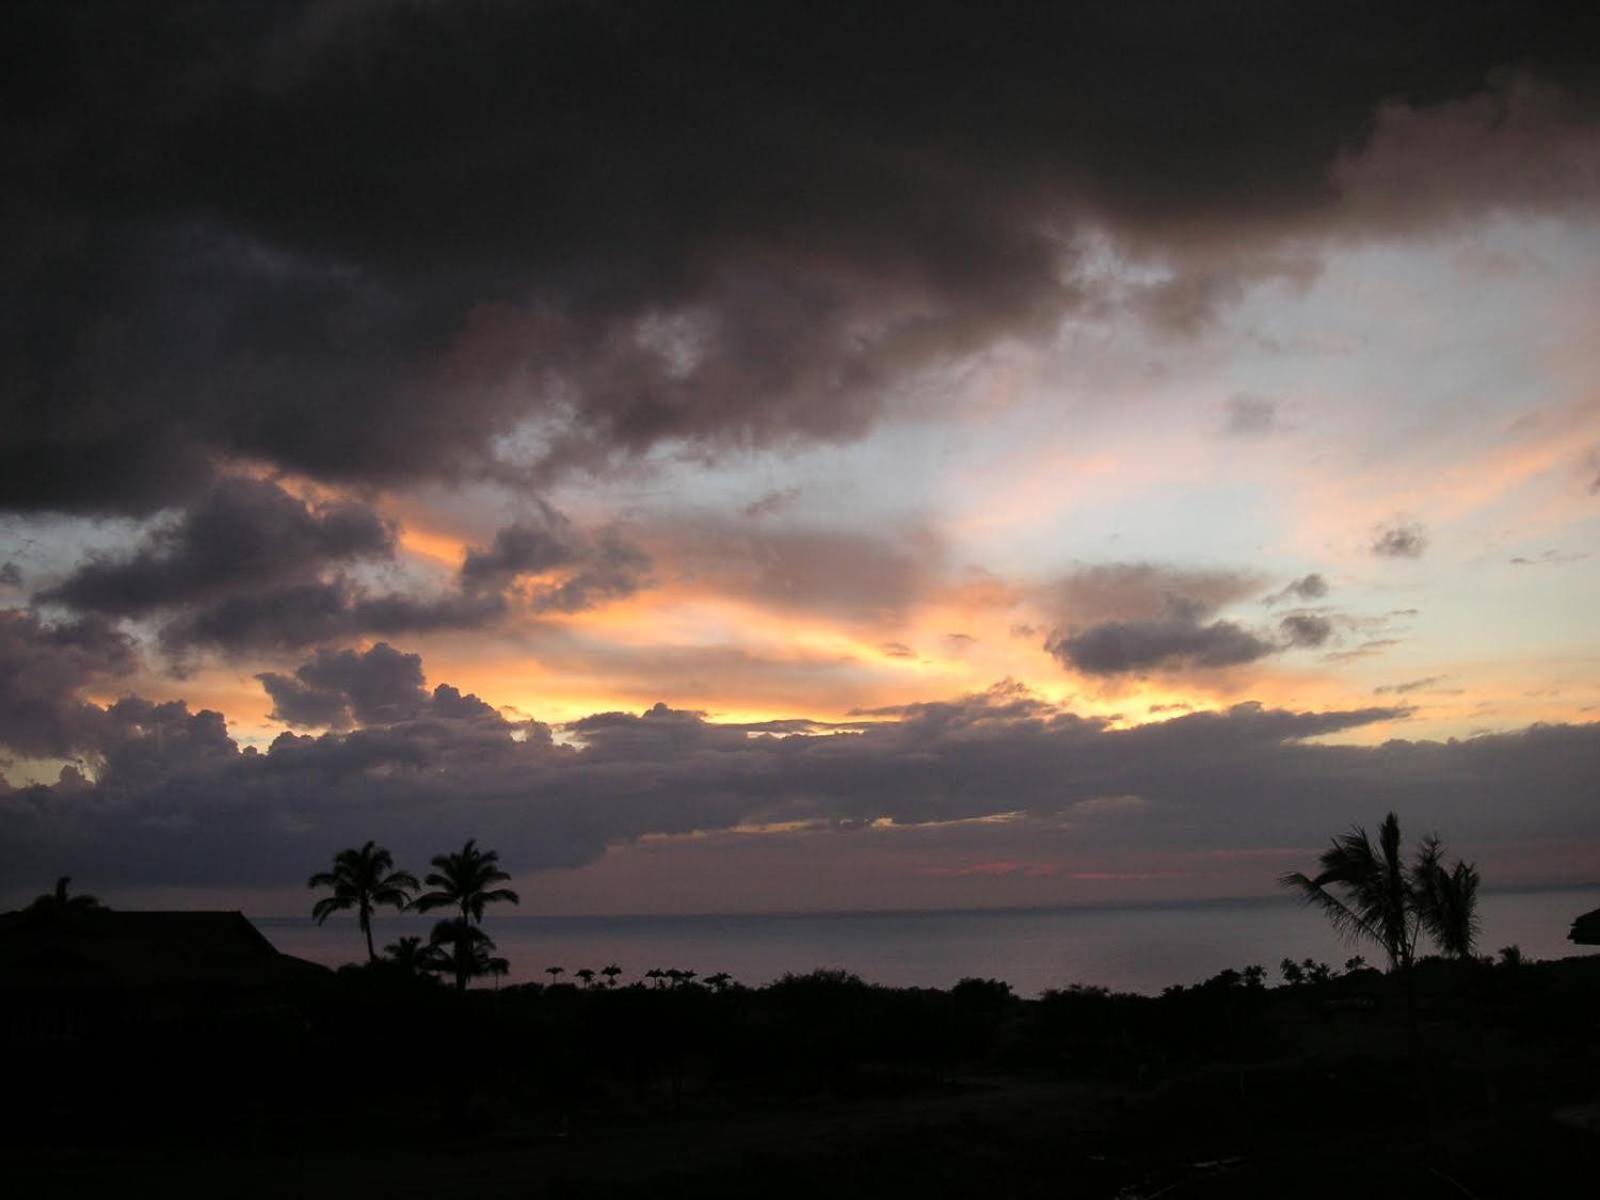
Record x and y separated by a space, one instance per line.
58 901
1369 892
362 879
462 948
414 958
462 880
1364 891
611 971
587 975
1446 900
555 974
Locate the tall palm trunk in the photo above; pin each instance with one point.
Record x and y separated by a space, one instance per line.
366 928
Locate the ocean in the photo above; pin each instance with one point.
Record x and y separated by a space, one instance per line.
1133 948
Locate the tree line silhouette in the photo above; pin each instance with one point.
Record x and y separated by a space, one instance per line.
1232 1065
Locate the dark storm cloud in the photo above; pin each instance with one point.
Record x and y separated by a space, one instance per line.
43 670
1402 539
245 533
1127 647
361 242
172 789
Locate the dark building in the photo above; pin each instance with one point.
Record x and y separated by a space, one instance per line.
77 975
1586 929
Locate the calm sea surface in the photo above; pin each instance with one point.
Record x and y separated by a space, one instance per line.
1139 949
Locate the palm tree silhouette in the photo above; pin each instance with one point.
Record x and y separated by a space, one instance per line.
464 880
461 880
463 948
611 971
362 879
587 975
1364 891
555 974
412 957
1370 892
1446 900
58 901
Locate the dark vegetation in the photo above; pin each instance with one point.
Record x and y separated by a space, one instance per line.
1447 1075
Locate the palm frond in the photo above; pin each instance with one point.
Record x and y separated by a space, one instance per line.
329 905
1347 922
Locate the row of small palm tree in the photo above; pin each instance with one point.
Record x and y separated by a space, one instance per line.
659 977
366 879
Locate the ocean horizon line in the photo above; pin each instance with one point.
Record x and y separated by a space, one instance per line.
1223 902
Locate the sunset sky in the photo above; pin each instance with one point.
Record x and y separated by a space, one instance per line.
796 456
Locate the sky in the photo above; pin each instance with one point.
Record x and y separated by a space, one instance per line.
735 457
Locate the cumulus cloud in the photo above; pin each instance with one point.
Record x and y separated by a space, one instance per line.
382 686
173 787
245 533
594 567
43 670
250 567
1400 539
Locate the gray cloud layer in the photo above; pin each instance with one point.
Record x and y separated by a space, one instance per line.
176 801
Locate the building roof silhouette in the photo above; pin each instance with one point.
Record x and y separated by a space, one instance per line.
1586 929
139 950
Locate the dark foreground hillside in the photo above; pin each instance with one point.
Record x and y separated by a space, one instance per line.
370 1081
